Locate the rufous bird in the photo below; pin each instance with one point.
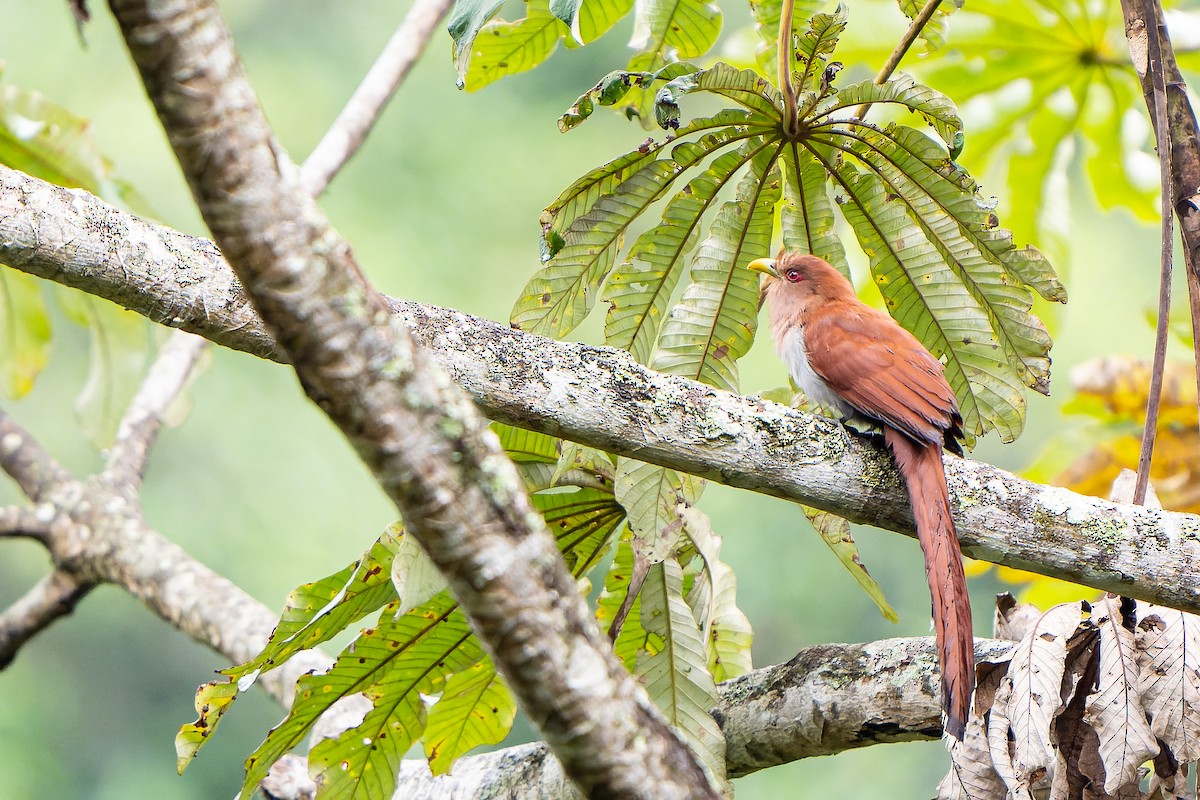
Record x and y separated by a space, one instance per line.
856 361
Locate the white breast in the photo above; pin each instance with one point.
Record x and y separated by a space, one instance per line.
794 354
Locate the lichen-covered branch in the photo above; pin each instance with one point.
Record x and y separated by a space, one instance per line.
601 397
51 598
423 440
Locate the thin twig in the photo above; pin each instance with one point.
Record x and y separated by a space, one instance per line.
350 129
23 458
51 598
143 419
1162 133
27 521
784 54
906 41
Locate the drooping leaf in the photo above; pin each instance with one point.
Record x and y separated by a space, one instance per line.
212 700
589 19
835 532
476 708
674 668
713 324
506 48
24 332
631 638
414 576
902 90
1169 656
650 494
933 32
665 31
713 599
584 523
466 20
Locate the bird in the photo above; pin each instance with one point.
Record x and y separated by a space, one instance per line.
859 363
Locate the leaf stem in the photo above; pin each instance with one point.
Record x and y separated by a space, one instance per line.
910 36
785 66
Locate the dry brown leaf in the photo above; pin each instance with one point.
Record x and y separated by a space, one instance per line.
1013 620
971 775
1115 710
1168 642
1036 678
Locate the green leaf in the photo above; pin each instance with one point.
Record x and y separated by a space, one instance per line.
638 295
506 48
580 465
524 446
119 348
392 664
835 532
806 218
933 33
631 639
589 19
466 20
560 295
25 323
476 708
665 31
902 90
766 15
584 522
212 700
713 324
414 576
47 141
674 668
650 496
815 46
713 600
743 86
315 612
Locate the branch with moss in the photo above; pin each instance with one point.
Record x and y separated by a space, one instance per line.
601 397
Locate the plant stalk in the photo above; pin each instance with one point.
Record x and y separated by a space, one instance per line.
910 36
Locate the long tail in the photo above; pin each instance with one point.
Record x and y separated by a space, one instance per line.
921 466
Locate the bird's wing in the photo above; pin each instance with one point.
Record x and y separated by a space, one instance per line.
881 370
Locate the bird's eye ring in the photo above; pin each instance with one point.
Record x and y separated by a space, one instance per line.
793 275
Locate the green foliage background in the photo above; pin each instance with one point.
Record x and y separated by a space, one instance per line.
442 207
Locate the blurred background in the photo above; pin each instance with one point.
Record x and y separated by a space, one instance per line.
442 207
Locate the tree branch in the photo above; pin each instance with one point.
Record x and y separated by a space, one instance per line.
30 466
601 397
143 419
460 496
350 129
51 598
828 699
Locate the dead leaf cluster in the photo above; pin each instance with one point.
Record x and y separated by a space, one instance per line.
1095 701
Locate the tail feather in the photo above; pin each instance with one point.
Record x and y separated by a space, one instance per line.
925 478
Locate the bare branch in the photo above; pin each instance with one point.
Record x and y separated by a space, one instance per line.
51 598
350 129
33 469
25 521
601 397
418 433
906 41
143 419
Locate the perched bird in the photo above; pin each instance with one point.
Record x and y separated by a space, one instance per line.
856 361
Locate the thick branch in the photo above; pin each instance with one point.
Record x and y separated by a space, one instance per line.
418 433
600 397
828 699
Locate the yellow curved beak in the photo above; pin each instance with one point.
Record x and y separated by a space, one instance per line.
767 266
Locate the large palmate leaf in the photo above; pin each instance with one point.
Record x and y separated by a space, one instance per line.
1038 83
945 269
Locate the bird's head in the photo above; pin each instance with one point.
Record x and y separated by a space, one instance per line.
799 274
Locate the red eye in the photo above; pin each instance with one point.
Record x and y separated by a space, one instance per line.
793 276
